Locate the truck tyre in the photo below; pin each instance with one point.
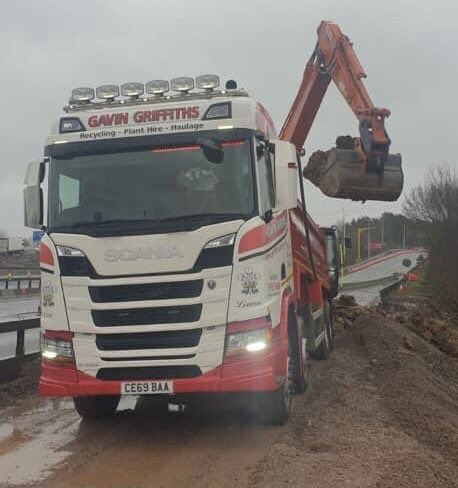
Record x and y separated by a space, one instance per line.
96 407
298 355
331 324
276 405
326 346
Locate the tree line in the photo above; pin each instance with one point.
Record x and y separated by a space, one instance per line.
370 236
435 204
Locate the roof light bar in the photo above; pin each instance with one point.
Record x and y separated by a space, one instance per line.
132 89
157 87
207 82
182 84
82 94
107 92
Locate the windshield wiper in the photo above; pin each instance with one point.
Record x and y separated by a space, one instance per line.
204 216
102 223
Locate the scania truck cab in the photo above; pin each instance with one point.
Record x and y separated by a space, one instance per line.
176 258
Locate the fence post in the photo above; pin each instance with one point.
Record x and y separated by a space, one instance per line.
20 343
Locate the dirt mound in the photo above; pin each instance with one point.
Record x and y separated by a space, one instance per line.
434 324
420 315
382 413
347 310
417 382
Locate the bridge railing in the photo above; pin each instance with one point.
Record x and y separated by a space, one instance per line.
19 280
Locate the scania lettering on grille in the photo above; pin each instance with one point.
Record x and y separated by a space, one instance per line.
132 254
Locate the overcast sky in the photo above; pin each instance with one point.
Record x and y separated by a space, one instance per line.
407 47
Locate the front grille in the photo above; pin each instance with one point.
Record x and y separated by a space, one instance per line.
149 373
146 316
148 291
149 358
148 340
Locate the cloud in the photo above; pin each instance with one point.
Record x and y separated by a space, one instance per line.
407 48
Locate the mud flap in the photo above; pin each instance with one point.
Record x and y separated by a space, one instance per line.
341 173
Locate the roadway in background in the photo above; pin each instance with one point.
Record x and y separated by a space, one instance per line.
390 265
371 294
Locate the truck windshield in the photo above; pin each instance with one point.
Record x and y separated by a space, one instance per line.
156 189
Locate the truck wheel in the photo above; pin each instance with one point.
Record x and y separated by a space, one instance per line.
331 324
326 346
276 405
298 356
96 407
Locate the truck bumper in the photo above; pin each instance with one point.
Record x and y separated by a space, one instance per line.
252 374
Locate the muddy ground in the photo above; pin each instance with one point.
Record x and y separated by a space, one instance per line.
381 412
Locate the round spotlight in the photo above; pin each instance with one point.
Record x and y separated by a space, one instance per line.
182 84
107 92
132 89
207 82
157 87
82 94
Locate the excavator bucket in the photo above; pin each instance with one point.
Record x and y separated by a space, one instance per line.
342 173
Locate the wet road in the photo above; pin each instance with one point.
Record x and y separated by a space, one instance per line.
48 444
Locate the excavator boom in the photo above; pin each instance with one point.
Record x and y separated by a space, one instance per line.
357 168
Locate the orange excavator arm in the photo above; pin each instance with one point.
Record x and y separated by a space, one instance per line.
358 168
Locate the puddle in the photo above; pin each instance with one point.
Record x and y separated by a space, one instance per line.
34 458
6 430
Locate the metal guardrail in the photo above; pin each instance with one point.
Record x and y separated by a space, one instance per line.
358 285
11 366
19 326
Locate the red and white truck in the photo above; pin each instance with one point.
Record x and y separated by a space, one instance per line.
177 257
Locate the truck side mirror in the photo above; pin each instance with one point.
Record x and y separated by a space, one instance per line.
285 175
33 195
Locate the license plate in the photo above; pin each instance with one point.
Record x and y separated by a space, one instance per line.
147 387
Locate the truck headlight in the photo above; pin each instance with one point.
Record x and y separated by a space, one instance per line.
56 346
69 252
227 240
248 342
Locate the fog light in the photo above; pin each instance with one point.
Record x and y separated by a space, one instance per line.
256 346
56 346
247 342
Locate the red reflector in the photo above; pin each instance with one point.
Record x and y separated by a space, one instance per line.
46 256
63 335
292 165
175 149
233 143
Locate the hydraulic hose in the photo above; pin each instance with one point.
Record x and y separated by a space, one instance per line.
304 210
